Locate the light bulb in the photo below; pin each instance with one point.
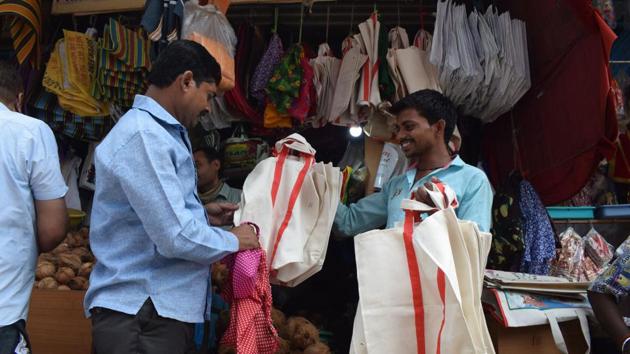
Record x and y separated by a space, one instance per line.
356 131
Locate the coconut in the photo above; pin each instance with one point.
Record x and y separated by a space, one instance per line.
63 287
44 269
70 260
86 269
64 274
78 283
317 348
301 332
47 283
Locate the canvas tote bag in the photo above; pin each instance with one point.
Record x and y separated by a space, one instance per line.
411 284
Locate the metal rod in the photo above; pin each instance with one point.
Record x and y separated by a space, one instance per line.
594 221
619 61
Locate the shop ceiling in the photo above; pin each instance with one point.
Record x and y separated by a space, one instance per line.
340 14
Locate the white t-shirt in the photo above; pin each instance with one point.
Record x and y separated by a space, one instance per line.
29 170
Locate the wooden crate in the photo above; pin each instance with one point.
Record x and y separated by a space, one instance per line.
56 323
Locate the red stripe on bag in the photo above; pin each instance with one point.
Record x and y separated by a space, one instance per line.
277 175
441 283
297 187
414 276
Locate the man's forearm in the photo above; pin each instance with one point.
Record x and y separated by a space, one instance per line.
609 317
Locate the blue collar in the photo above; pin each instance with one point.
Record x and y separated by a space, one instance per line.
456 162
148 104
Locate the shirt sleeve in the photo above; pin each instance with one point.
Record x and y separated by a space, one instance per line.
45 179
365 215
147 175
476 205
615 280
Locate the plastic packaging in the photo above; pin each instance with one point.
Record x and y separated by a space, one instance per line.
568 262
597 248
624 248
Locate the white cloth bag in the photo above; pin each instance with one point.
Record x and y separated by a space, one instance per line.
420 285
291 199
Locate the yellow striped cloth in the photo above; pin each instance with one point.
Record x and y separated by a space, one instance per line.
25 28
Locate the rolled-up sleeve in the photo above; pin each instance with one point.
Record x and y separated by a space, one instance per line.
147 175
477 203
365 215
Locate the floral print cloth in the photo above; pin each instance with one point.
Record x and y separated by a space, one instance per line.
615 280
539 235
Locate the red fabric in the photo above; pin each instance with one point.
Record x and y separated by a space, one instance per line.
251 329
235 98
414 277
619 165
566 123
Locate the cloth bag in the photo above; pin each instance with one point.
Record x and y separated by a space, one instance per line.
419 293
293 200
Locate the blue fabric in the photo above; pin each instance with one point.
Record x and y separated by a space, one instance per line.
540 246
470 184
29 171
149 230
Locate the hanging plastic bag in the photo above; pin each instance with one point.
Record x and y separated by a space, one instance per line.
210 28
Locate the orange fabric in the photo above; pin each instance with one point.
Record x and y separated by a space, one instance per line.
222 56
273 118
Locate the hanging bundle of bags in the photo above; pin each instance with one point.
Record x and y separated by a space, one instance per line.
420 284
293 200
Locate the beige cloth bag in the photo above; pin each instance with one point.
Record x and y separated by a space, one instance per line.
369 94
343 109
413 62
420 284
398 39
293 201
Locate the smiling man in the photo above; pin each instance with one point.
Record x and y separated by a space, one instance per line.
425 122
149 231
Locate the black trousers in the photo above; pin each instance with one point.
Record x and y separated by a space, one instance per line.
144 333
12 337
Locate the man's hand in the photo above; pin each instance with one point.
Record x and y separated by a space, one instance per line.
221 213
422 195
247 238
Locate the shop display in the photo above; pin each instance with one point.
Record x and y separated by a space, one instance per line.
67 266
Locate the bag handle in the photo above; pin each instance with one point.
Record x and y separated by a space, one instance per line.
558 338
294 142
414 278
442 197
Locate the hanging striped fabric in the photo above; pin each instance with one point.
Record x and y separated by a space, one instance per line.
25 28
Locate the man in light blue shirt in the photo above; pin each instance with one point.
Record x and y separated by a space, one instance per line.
425 121
33 216
149 231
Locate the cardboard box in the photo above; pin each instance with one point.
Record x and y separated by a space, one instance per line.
535 339
56 323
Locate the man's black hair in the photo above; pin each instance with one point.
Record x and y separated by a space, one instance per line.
433 106
10 82
210 153
180 56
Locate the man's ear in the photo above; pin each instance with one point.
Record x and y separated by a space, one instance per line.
440 127
217 164
186 80
18 102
